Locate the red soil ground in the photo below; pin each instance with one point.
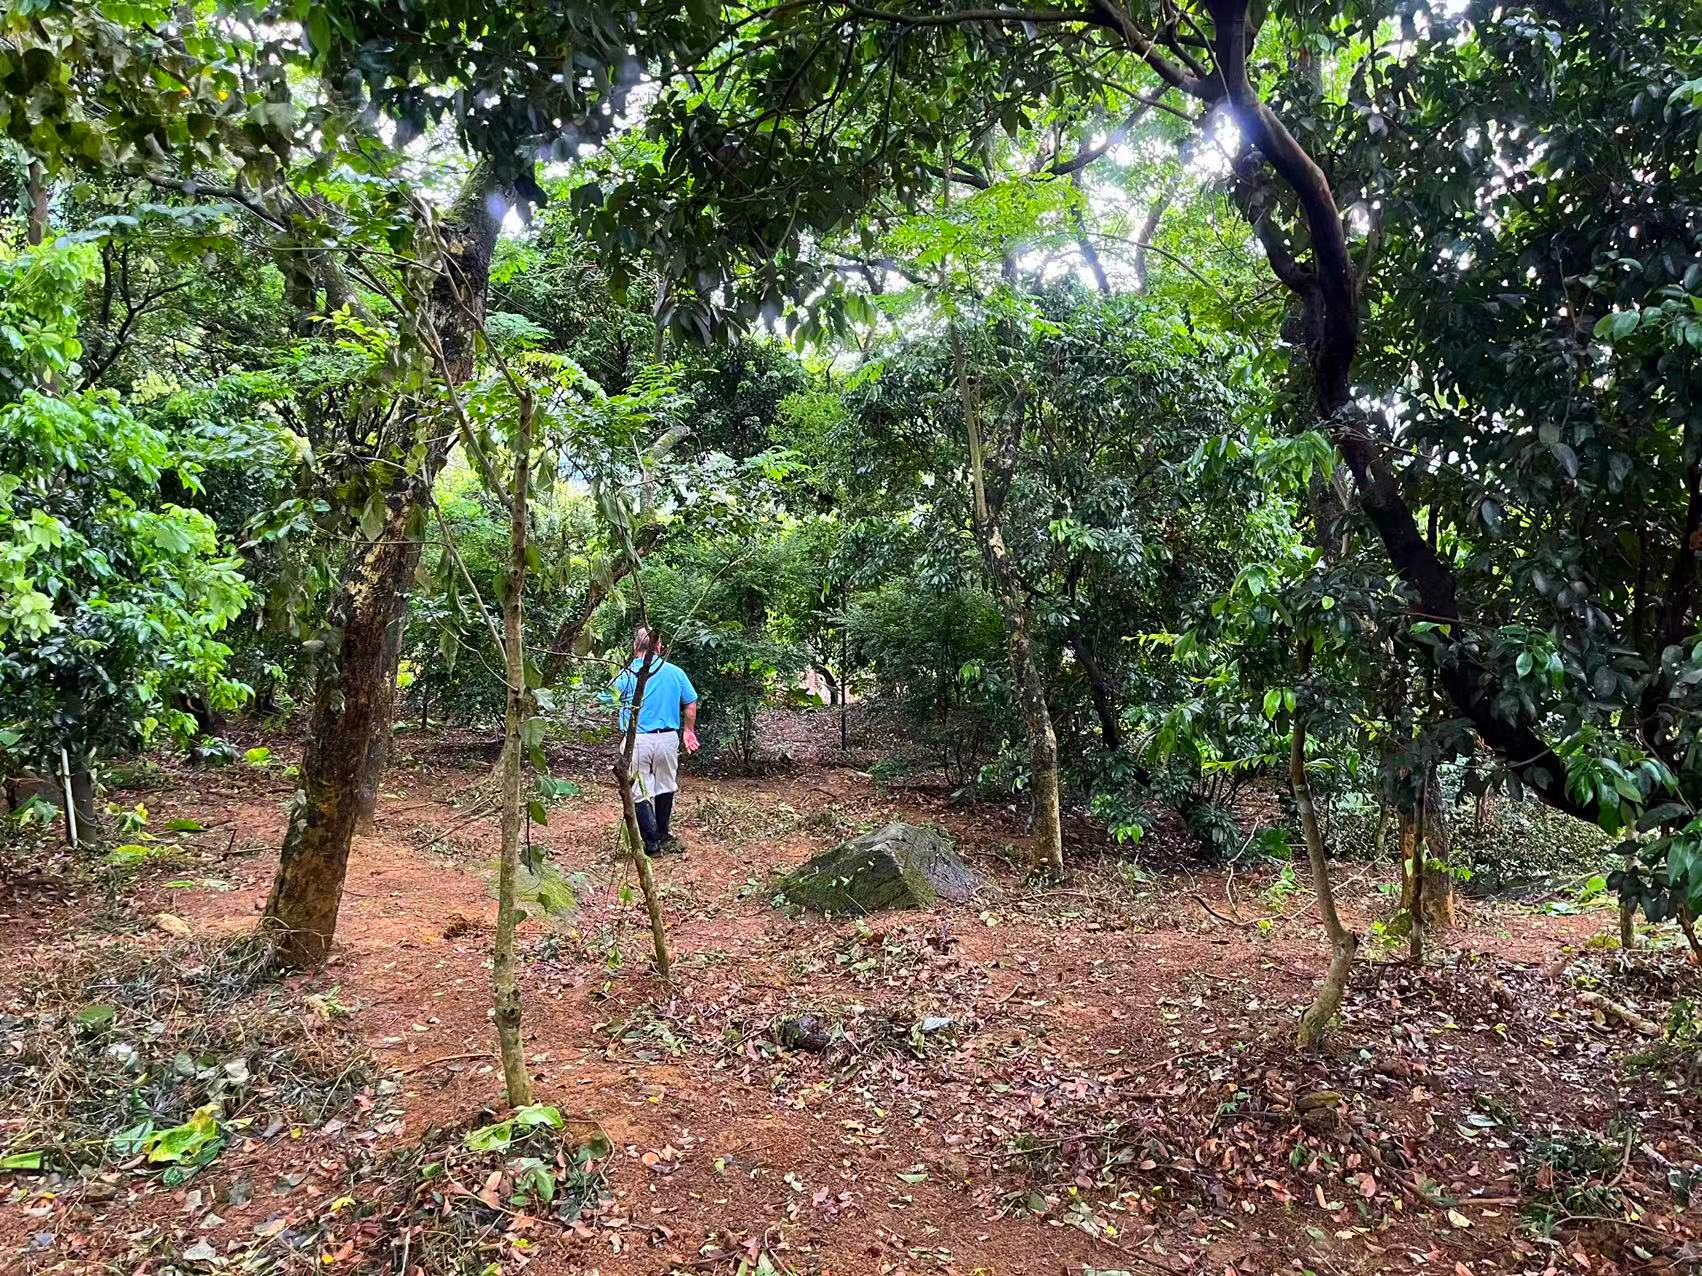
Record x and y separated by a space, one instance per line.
1113 1020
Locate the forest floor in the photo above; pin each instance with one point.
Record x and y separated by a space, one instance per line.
1097 1077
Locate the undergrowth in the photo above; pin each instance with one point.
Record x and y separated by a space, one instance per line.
465 1200
166 1055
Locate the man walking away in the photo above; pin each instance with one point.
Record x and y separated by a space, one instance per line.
669 712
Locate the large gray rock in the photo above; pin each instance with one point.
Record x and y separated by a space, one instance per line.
899 866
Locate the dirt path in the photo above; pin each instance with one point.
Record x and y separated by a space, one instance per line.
1039 1081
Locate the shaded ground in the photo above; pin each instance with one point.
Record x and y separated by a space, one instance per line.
1096 1077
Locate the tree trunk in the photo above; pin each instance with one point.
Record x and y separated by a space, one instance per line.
1149 228
1104 707
629 815
1380 833
1687 924
83 804
384 725
1315 1021
349 698
1628 911
1427 881
308 889
1411 840
504 984
1037 722
1438 888
1331 350
1025 673
39 194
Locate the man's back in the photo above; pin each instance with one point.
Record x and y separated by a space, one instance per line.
665 692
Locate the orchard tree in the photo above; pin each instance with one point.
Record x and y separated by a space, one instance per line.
113 596
1342 144
220 103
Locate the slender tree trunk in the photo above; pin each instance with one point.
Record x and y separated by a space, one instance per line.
1380 833
1412 881
1687 924
504 983
1025 672
1427 881
1149 228
1438 889
39 193
1628 912
83 803
845 675
1037 721
1315 1021
1099 687
629 814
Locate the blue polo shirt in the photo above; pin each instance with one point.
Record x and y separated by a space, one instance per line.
666 692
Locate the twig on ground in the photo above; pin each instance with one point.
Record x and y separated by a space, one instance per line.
448 1058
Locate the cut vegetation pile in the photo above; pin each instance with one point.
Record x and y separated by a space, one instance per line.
158 1060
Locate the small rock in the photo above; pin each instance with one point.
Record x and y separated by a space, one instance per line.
805 1032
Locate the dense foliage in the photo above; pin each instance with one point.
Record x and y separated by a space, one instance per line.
1123 413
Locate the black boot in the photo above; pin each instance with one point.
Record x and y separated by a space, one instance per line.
668 844
647 826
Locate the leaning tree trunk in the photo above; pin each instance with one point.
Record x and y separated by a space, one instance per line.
1315 1021
629 817
350 702
1099 687
347 709
504 983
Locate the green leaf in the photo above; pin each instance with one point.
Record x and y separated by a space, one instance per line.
187 1141
538 1114
491 1138
21 1161
98 1015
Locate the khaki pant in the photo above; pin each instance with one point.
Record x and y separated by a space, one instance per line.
655 764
